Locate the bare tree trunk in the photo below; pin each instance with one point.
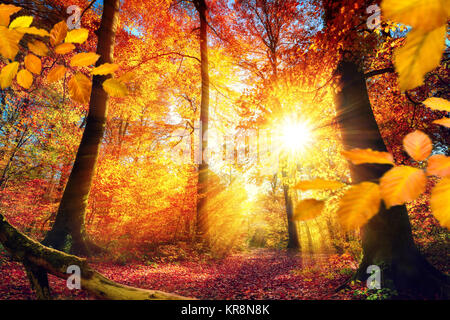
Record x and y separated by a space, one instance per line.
68 232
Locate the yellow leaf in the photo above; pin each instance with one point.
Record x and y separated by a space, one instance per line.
56 74
38 48
115 88
6 10
402 184
33 63
308 209
437 104
21 22
318 184
439 165
9 42
421 53
84 59
64 48
35 31
439 202
360 203
359 156
25 78
418 145
77 35
8 73
420 14
443 122
105 68
80 88
58 33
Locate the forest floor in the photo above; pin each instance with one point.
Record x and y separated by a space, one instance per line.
257 274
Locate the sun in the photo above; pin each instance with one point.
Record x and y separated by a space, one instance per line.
295 136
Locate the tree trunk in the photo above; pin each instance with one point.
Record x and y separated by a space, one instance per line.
386 239
68 232
202 215
293 243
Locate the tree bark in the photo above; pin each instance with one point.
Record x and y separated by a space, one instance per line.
202 215
68 232
386 239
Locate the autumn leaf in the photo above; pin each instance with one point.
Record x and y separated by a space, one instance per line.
437 104
6 10
443 122
56 74
77 36
318 184
21 22
115 88
360 203
58 33
84 59
9 42
439 202
127 77
439 165
421 53
420 14
418 145
402 184
38 48
33 63
25 78
106 68
359 156
34 31
308 209
80 88
8 73
64 48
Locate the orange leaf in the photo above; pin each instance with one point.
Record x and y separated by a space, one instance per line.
418 145
33 63
359 156
439 202
439 165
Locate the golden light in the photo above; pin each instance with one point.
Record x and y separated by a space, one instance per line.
295 136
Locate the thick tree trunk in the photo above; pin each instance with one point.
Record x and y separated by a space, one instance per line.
68 232
35 255
202 215
386 239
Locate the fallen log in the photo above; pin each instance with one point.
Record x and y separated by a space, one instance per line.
28 251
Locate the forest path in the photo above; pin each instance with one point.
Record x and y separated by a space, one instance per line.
257 274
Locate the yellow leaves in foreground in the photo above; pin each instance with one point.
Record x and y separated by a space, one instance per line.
360 203
106 68
439 202
418 145
402 184
33 64
34 31
420 14
38 48
437 104
318 184
421 53
6 10
308 209
25 78
8 73
443 122
21 22
58 33
115 88
9 42
359 156
439 165
84 59
56 74
64 48
77 36
80 88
